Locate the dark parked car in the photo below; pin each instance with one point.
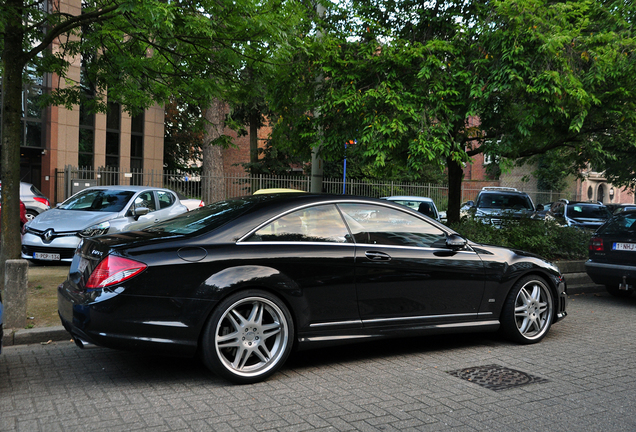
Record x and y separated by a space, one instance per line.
613 255
580 214
496 205
623 207
243 281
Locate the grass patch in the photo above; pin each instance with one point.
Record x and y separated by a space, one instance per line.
42 295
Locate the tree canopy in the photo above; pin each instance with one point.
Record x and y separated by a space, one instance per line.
134 53
420 83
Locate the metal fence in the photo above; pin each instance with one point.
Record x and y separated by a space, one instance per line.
72 179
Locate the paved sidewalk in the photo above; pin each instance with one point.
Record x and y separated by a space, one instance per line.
581 377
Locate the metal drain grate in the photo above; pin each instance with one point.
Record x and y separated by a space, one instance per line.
495 377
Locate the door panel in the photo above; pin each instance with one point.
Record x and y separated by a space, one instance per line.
405 272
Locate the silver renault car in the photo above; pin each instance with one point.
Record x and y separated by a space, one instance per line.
55 234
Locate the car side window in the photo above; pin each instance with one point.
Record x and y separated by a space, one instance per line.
321 223
145 199
166 199
373 224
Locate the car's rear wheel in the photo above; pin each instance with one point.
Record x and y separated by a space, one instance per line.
248 337
30 215
528 311
613 290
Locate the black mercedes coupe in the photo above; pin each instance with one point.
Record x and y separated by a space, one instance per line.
244 281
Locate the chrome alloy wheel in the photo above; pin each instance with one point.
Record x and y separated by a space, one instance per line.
533 309
251 336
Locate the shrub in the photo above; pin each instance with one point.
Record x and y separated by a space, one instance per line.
544 238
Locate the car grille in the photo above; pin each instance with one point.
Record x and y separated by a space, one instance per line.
65 253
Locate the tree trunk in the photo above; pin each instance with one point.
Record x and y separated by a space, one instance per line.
213 173
13 64
455 175
254 122
254 117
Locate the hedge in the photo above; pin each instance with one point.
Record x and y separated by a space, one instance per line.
545 238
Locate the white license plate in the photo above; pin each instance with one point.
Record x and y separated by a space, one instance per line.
625 246
46 256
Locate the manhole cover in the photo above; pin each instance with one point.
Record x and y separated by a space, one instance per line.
495 377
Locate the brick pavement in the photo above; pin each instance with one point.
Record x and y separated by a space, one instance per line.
588 360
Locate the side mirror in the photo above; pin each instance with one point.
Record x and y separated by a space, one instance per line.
455 242
140 211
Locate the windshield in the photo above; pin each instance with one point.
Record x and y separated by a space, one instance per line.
204 218
588 211
501 201
98 200
622 224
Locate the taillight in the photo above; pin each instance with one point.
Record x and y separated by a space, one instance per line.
43 201
113 270
596 244
201 204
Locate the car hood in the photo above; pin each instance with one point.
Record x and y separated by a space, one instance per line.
487 212
589 221
69 220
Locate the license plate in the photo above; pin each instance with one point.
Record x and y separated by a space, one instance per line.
625 246
46 256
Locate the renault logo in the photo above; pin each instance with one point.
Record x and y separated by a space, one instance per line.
48 235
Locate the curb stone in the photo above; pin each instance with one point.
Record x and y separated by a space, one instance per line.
34 335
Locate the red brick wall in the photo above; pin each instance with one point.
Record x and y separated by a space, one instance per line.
241 153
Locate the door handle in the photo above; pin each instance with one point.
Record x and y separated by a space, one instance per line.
377 256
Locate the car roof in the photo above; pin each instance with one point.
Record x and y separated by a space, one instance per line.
281 201
277 190
625 213
586 203
407 198
501 192
127 188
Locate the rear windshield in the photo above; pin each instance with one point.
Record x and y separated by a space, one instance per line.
98 200
501 201
621 224
35 191
204 218
588 211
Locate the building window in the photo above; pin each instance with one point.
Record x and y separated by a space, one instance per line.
86 149
137 148
113 132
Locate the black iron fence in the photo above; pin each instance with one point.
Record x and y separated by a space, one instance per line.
72 179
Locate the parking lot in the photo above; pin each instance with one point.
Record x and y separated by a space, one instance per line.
581 377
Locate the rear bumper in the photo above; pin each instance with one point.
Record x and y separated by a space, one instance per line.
610 274
112 320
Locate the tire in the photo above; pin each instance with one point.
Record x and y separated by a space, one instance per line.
30 215
613 290
528 311
248 337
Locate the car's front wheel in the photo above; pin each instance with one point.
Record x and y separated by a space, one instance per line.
528 311
248 337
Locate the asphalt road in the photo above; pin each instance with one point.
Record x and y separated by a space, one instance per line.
581 377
